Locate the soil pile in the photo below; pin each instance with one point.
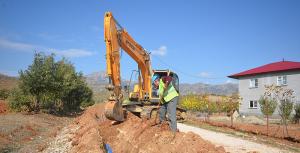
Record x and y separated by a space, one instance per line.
87 137
133 135
3 107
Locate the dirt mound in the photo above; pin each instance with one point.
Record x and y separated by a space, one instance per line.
87 138
3 107
136 135
133 135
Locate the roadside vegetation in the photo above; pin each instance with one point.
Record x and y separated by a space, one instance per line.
201 103
51 86
4 93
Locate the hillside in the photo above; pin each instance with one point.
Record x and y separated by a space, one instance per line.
97 82
201 88
7 82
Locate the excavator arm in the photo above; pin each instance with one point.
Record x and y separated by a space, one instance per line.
117 37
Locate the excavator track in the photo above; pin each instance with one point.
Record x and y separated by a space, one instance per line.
114 111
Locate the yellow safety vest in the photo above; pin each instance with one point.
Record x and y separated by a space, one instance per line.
167 94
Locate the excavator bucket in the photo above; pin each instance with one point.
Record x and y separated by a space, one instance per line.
114 111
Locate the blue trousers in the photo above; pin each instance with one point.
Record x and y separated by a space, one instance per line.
169 107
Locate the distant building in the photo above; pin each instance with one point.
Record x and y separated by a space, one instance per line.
252 83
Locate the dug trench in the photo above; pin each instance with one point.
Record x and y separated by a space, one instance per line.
134 135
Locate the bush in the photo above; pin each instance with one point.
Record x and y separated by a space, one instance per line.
52 86
4 93
202 104
194 103
19 101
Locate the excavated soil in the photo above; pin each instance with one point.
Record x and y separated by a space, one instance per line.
3 107
87 137
132 136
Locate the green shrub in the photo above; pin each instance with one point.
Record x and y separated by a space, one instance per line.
4 93
53 86
19 101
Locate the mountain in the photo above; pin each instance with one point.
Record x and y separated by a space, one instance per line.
97 82
8 82
201 88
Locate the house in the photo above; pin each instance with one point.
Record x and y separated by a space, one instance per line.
252 83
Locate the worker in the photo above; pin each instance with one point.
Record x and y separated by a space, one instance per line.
155 85
169 99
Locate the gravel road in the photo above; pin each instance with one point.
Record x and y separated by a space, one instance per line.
230 143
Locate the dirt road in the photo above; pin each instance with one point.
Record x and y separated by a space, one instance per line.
230 143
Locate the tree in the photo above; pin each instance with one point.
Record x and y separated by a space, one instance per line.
285 110
297 113
267 107
54 86
283 97
232 104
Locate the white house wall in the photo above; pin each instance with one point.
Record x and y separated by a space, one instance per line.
247 94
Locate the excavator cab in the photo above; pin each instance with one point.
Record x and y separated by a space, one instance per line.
161 73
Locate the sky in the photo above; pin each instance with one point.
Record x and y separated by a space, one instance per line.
202 40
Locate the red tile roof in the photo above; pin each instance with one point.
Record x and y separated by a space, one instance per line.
272 67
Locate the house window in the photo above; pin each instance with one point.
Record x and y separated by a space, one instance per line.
253 104
281 80
253 83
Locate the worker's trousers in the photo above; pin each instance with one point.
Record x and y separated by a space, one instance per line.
169 107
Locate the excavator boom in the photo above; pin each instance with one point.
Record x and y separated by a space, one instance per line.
117 37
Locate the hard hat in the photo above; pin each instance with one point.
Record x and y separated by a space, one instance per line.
154 77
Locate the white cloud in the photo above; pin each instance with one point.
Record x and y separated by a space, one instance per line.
13 73
26 47
16 45
53 37
72 52
161 51
230 81
204 75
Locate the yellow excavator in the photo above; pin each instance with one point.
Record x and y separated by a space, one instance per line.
142 101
